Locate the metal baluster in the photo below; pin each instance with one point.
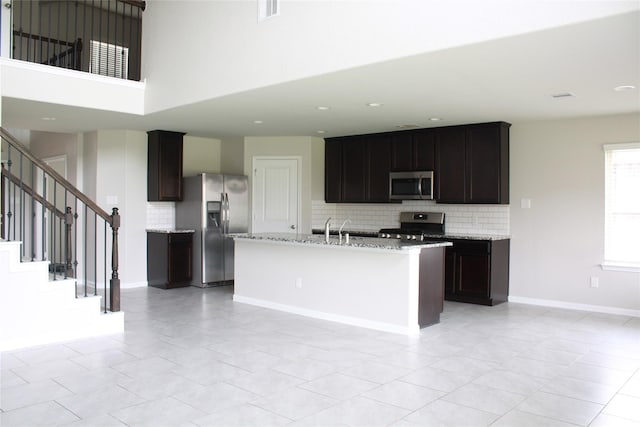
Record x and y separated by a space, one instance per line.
95 252
22 195
10 212
30 30
130 40
106 296
33 216
44 217
75 243
52 259
85 250
100 44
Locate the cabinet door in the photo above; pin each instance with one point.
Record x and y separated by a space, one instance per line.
379 149
472 275
402 153
332 171
180 258
164 166
424 142
483 164
449 271
450 158
354 170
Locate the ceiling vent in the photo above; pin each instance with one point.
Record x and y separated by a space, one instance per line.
268 8
563 95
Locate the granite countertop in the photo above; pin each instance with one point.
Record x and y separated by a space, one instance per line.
468 236
170 230
354 241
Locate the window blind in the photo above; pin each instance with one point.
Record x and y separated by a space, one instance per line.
622 205
109 59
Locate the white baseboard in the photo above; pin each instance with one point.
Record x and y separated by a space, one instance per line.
131 285
354 321
575 306
123 285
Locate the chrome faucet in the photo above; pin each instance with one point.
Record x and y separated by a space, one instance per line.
327 224
341 227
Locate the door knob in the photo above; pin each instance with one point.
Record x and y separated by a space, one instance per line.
293 227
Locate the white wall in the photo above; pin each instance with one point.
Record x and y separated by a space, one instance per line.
121 181
49 144
200 155
558 244
225 42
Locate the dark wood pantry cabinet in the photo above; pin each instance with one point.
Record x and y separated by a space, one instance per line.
164 166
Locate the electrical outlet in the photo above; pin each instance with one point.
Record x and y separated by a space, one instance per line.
594 281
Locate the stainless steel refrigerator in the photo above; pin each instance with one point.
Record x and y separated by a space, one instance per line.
214 205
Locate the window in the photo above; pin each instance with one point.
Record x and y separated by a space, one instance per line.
622 206
109 59
267 9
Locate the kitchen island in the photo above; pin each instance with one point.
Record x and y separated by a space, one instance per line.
382 284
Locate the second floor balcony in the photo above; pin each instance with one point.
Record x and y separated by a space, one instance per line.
95 36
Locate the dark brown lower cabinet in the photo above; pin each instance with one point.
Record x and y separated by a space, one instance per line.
477 271
169 259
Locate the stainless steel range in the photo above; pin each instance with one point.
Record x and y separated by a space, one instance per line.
416 226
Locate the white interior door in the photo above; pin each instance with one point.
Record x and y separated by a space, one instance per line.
275 195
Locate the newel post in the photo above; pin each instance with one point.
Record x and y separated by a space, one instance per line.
68 222
114 287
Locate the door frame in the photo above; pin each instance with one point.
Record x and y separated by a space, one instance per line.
252 176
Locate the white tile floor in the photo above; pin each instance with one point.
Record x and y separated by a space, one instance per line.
193 357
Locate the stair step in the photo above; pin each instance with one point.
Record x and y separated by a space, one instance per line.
42 311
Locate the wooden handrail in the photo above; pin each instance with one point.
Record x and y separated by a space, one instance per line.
59 178
142 5
15 180
42 38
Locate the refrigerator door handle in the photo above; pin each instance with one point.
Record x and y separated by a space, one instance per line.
226 207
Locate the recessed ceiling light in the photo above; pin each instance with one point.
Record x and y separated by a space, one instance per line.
435 119
563 95
322 108
49 119
374 104
624 88
258 122
321 131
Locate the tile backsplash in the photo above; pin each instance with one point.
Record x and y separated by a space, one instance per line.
459 219
161 215
490 220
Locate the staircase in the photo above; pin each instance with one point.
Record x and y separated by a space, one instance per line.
56 247
35 310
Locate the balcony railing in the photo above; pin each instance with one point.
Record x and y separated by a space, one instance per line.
96 36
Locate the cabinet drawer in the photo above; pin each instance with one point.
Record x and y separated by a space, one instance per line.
472 246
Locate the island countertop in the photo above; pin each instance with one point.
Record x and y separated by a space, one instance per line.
334 241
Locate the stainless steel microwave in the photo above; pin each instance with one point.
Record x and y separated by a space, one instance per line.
411 185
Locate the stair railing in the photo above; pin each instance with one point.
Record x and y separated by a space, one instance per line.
58 223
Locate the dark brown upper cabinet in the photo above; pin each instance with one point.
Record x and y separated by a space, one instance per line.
357 169
164 166
413 150
472 164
